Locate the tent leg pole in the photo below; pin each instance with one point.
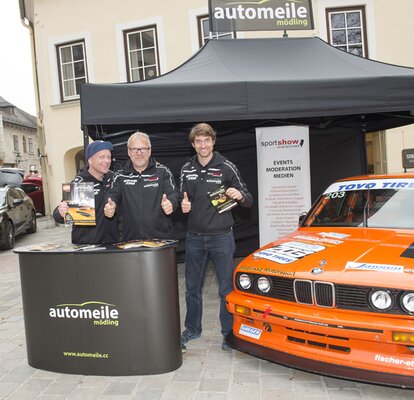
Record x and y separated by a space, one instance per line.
364 156
85 140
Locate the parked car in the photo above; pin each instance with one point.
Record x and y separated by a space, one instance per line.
17 215
336 296
11 176
33 187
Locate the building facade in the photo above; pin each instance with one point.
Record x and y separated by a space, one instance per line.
18 138
100 42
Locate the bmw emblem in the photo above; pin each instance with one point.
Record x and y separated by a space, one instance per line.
317 271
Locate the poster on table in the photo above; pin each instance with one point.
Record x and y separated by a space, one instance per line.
284 187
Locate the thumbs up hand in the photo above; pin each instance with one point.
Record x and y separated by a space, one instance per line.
63 208
185 204
166 205
109 209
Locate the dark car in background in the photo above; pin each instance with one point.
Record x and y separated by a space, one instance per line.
33 187
11 176
17 215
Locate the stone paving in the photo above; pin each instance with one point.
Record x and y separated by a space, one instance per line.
207 373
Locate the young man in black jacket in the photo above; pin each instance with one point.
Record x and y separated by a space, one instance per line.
210 233
145 191
98 156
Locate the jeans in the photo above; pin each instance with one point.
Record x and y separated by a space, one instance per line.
200 249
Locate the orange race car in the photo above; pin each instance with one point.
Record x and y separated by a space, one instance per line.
336 296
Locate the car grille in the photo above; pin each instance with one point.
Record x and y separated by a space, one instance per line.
318 293
313 339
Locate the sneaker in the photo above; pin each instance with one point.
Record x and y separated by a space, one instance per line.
183 348
226 347
189 335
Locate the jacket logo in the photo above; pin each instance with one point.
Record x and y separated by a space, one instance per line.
155 184
213 181
191 177
151 179
130 181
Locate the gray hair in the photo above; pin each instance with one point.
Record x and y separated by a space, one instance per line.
137 135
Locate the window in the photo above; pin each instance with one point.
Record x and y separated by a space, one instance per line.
72 69
347 30
142 54
24 145
31 147
204 31
30 187
15 143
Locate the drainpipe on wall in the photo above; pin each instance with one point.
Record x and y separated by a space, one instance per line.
40 127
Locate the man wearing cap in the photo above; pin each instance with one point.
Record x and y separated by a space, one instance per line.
145 192
98 156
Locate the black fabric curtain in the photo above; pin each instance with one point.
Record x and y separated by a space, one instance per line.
335 153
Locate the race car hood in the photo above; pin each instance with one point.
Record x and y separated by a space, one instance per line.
375 257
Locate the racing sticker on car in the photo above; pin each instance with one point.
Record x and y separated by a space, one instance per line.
324 240
333 235
249 331
374 267
371 184
408 252
289 252
394 360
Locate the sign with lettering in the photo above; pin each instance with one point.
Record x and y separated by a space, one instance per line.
260 15
283 176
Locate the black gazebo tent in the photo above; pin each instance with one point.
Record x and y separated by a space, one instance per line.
239 84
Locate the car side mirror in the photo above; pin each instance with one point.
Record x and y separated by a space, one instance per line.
302 217
17 202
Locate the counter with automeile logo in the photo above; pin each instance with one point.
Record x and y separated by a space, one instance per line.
102 310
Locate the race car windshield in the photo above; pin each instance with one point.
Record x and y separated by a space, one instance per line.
374 208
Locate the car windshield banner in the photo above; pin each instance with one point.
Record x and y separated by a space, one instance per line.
260 15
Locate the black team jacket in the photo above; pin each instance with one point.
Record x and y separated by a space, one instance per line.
138 197
198 181
106 230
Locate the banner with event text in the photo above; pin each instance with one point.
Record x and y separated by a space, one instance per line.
284 188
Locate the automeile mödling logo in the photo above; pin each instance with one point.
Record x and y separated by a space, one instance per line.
100 313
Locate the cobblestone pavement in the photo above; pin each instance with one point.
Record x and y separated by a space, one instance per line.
207 373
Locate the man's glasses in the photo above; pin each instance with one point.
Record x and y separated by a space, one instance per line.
136 150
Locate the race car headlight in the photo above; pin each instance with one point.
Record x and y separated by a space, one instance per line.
263 284
245 282
381 299
407 302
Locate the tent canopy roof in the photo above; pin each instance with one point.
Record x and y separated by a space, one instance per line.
255 79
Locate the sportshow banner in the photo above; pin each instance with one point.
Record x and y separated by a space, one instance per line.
283 169
260 15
